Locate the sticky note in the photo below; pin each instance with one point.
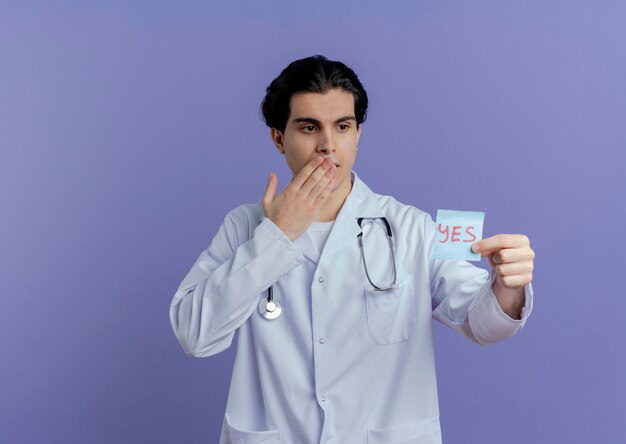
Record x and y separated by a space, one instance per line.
456 232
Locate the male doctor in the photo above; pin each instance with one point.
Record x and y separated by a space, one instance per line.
344 351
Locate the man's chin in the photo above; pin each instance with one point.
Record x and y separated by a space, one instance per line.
340 185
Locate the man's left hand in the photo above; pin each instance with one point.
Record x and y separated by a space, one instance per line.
511 257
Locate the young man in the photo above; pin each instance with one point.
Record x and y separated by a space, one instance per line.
334 317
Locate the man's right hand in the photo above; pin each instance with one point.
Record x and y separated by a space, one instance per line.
301 200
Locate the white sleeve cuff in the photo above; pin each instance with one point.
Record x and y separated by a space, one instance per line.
488 322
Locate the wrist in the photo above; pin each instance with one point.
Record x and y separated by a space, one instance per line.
510 299
288 233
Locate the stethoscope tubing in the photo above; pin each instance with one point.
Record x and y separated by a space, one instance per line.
271 309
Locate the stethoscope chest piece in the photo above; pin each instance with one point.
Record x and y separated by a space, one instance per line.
269 309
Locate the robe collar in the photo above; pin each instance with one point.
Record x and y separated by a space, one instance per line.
360 202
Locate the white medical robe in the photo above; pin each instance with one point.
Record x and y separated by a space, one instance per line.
343 363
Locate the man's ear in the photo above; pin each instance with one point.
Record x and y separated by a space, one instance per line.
277 138
358 132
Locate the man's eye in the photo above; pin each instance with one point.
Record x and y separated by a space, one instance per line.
344 127
309 128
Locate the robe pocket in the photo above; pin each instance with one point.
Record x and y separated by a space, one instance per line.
237 436
390 314
422 432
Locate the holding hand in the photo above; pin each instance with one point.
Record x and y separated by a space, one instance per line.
511 257
301 200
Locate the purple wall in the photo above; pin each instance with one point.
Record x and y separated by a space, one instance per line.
128 131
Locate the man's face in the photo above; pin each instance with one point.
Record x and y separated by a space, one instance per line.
321 125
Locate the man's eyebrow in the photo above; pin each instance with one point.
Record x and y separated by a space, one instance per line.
317 122
345 119
306 120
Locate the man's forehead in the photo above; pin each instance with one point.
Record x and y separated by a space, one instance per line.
331 105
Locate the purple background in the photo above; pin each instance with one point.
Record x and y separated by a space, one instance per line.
129 129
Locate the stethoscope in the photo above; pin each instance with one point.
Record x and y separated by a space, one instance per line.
271 309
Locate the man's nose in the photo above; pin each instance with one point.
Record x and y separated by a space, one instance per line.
326 143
